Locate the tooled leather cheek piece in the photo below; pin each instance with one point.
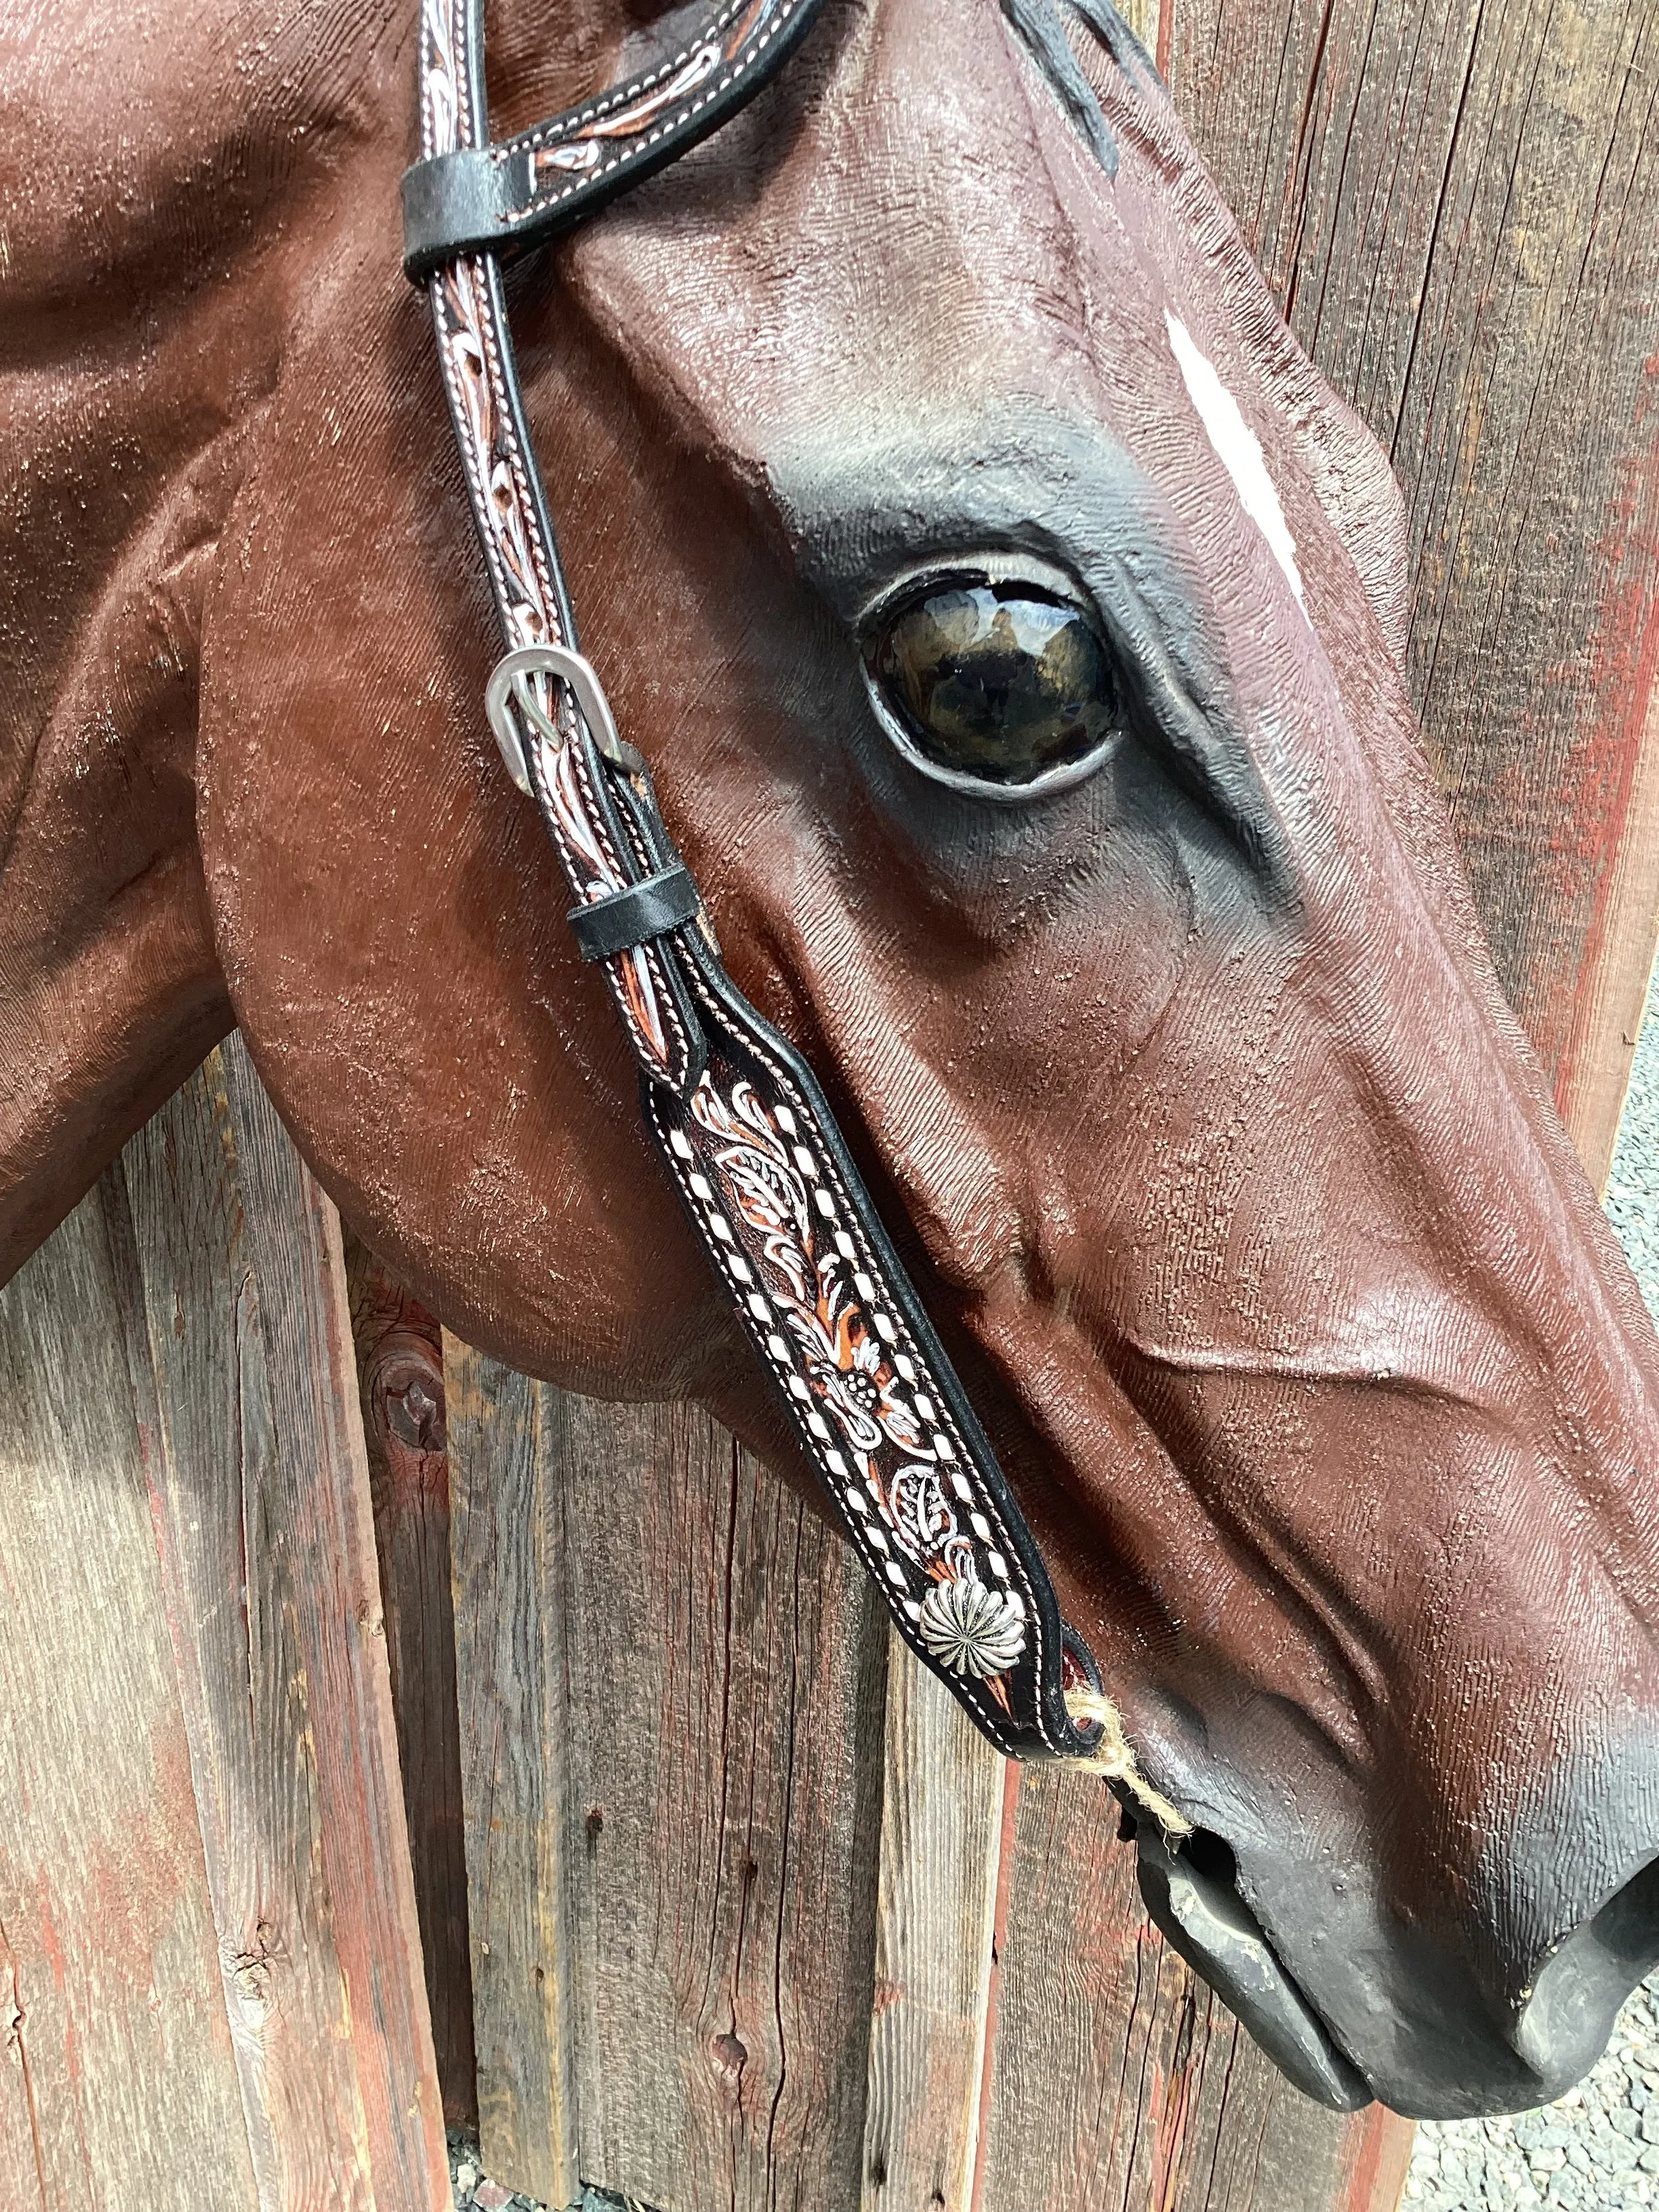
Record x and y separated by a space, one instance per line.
744 1131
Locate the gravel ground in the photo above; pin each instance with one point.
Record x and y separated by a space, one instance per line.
1595 2150
1598 2149
473 2190
1633 1192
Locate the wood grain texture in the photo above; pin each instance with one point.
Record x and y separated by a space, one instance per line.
516 1726
719 1792
197 1359
1143 17
330 1581
1615 987
117 2080
1456 203
21 2178
1118 2078
240 1357
941 1834
399 1347
1377 2156
724 1901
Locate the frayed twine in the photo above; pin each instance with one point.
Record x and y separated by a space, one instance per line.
1116 1759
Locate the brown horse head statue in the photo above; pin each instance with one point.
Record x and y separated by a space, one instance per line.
1184 1078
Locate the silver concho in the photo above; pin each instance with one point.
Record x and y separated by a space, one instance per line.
971 1629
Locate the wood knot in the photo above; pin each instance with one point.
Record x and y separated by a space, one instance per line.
251 1976
414 1415
730 2056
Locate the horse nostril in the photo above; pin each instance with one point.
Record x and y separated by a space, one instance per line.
1213 1855
1575 1996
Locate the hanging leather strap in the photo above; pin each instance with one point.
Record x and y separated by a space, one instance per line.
743 1129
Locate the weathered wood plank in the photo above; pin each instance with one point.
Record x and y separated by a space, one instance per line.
1144 18
941 1833
723 1905
719 1796
22 2183
110 1980
326 1573
1374 2162
1596 1071
506 1536
1118 2078
195 1356
1456 203
400 1381
234 1294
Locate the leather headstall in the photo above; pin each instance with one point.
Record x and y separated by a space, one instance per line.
742 1126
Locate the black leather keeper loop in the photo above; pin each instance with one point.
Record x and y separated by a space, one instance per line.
616 924
460 203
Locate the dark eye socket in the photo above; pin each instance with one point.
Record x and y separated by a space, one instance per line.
995 682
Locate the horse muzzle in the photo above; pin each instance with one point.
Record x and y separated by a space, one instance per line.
1432 2041
1202 1916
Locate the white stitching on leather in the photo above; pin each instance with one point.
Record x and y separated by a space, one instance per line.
542 201
720 1022
618 95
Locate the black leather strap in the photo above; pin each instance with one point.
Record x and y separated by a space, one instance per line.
461 202
743 1131
643 912
499 199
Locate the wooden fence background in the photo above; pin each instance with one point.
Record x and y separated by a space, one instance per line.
461 1746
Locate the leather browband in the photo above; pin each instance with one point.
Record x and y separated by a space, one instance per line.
498 199
741 1125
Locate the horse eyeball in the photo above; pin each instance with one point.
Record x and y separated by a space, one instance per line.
996 683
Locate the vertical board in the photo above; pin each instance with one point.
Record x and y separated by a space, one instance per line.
234 1294
1376 2159
1119 2078
506 1541
330 1581
197 1359
400 1382
941 1835
697 1823
1456 203
110 1980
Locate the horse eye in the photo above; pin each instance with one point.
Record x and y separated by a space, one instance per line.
995 684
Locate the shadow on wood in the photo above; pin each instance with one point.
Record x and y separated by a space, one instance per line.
670 1679
400 1380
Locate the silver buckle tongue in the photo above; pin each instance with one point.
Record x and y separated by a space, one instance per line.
511 686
